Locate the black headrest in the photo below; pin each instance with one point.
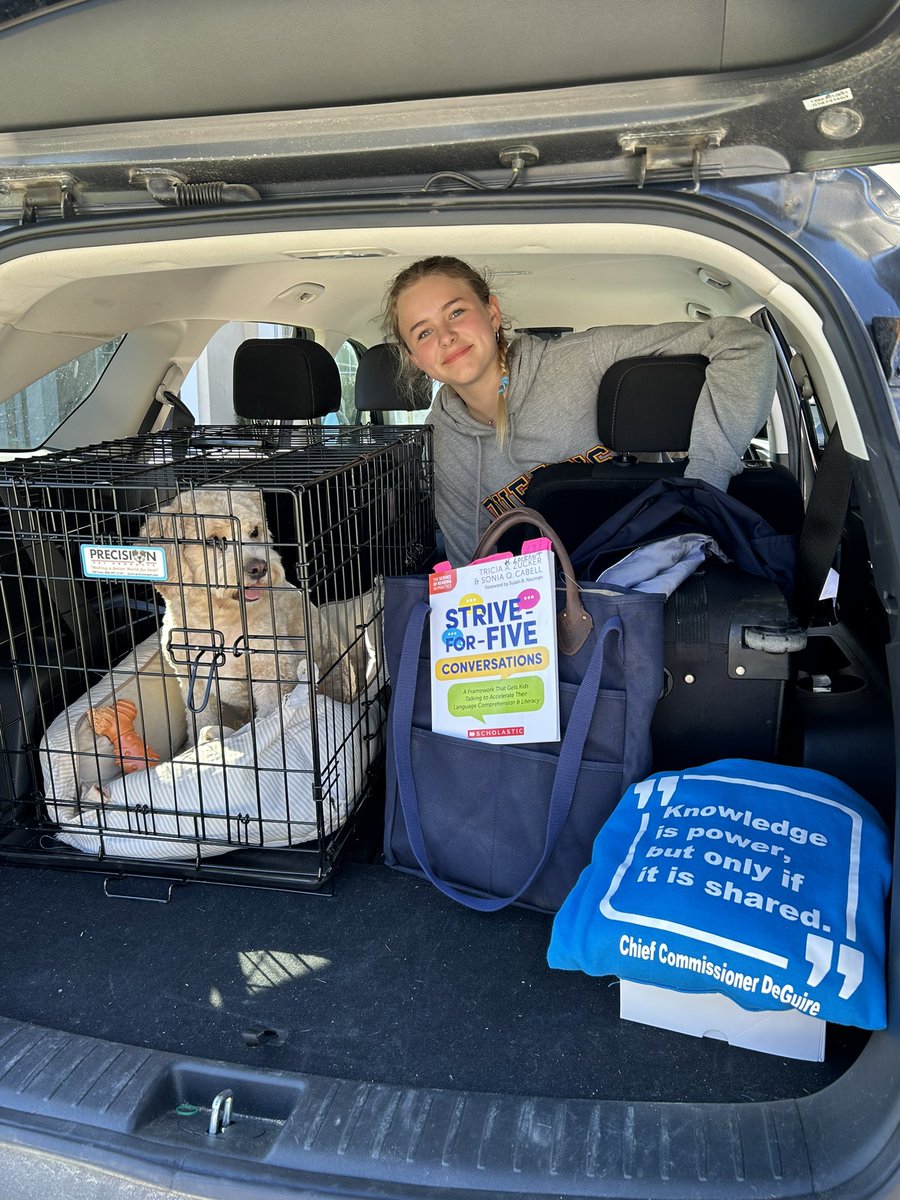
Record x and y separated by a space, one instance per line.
646 405
376 382
285 379
549 333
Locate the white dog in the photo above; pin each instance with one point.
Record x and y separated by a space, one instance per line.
234 629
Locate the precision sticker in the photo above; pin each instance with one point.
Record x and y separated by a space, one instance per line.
827 98
124 562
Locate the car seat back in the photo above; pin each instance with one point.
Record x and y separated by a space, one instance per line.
379 391
645 406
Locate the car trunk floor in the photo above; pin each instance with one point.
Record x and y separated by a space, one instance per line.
385 981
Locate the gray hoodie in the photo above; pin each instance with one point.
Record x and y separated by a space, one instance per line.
552 404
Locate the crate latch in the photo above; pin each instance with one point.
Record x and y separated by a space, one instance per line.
202 659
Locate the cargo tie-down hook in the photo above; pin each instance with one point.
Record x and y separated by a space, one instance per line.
220 1112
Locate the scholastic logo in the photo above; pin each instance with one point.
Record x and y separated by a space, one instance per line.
502 731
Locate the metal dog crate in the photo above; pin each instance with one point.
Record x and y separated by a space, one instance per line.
183 733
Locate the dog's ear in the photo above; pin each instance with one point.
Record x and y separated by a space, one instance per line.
160 527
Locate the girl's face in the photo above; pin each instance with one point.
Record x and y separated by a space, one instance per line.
449 333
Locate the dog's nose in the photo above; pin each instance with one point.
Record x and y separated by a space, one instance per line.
257 569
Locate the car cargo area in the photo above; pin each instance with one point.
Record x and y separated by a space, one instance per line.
365 975
372 977
384 982
378 979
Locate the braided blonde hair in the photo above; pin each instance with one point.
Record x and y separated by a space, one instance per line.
478 282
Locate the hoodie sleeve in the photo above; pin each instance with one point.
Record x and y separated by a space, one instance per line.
456 512
457 506
736 397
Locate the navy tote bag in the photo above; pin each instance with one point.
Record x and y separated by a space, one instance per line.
496 825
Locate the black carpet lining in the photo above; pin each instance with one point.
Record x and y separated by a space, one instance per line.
386 981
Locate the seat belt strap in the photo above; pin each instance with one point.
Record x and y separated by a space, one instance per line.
822 526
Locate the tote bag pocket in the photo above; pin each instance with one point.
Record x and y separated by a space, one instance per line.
606 733
493 833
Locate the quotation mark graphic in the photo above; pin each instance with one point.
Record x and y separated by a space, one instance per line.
666 787
820 952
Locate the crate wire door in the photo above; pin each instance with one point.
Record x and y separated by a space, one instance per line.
259 755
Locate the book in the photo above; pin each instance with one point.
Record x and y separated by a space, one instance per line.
493 648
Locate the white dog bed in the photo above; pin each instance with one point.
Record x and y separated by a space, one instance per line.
204 793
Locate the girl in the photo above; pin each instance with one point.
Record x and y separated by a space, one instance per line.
506 409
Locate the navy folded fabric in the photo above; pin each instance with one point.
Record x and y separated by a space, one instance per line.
672 506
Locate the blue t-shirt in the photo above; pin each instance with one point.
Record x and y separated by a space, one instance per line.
763 882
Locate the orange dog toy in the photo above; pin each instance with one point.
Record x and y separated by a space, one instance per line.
116 722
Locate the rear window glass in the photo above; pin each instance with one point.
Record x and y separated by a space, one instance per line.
31 416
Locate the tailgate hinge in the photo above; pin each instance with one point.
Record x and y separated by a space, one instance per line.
51 196
672 154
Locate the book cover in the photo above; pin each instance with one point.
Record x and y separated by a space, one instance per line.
493 649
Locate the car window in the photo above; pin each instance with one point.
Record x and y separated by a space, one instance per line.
403 416
399 416
30 417
347 359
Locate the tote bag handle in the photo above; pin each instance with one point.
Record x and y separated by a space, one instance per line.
564 780
574 623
